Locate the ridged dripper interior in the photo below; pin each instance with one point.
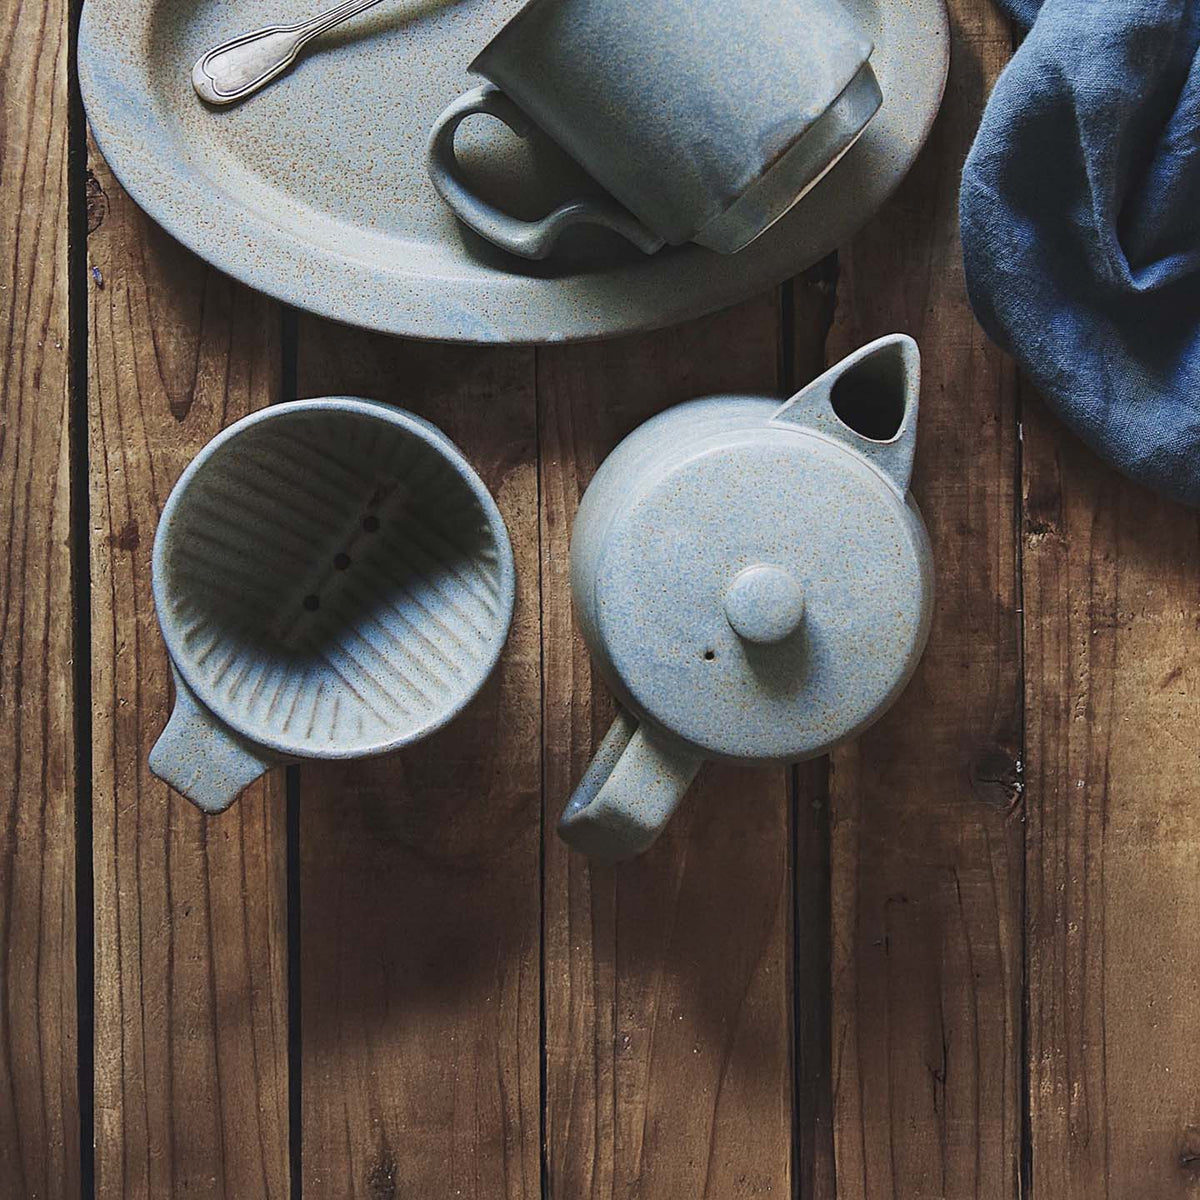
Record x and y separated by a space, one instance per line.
333 582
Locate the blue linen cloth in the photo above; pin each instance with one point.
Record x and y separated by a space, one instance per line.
1080 211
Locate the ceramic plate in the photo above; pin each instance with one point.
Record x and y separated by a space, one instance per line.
315 191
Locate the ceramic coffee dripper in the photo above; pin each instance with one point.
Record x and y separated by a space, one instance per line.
704 121
332 580
754 583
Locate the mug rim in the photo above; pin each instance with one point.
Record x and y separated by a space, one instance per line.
416 426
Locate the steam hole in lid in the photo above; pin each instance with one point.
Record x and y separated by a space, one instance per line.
869 398
341 561
312 603
370 523
710 655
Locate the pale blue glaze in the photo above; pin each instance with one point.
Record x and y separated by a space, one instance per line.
705 123
755 584
316 191
332 580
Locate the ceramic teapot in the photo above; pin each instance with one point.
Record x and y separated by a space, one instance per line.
754 583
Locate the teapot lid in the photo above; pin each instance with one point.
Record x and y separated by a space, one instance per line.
769 594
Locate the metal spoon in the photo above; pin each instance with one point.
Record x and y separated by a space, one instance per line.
238 68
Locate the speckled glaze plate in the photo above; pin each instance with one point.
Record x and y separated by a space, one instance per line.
315 191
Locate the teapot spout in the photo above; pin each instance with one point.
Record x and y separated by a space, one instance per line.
869 402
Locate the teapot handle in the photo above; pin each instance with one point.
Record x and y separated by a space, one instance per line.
887 371
629 791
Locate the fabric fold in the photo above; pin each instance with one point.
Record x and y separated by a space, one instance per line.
1080 212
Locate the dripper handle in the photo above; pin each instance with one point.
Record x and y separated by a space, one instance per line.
203 759
888 369
629 791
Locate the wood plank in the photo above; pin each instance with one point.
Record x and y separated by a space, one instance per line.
39 1103
926 807
420 945
190 915
813 299
815 1165
1112 613
667 988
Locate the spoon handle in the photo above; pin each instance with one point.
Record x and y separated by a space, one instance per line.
237 68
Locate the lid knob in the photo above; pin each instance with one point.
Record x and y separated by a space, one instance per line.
764 605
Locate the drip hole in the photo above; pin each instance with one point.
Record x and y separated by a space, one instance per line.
312 603
341 561
370 523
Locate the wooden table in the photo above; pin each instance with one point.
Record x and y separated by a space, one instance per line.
959 959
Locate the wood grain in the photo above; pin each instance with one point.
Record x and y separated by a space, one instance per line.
190 913
926 808
667 988
419 877
813 296
39 1103
811 987
1112 609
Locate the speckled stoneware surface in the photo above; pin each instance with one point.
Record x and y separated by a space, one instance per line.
754 582
706 121
332 580
315 190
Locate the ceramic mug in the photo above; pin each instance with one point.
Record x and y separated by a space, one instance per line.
332 580
704 120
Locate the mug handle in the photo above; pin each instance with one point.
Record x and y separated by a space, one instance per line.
203 759
529 239
629 791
